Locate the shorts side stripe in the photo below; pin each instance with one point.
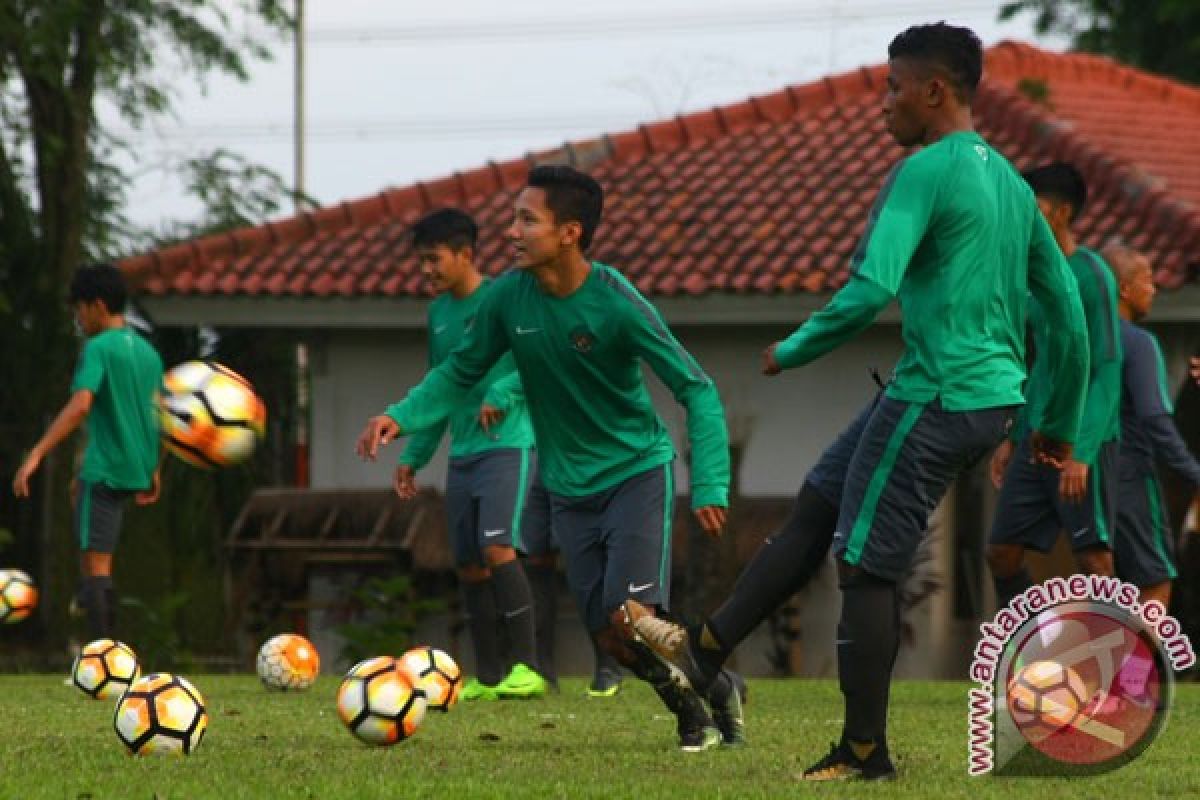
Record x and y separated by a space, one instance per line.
85 514
879 479
668 512
522 496
1098 505
1157 522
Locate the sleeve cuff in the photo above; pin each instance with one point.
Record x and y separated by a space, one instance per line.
710 495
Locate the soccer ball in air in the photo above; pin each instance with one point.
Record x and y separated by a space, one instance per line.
288 661
210 415
434 673
18 596
1045 697
161 713
104 669
378 702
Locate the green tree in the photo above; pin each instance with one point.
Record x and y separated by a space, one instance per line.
1160 36
62 191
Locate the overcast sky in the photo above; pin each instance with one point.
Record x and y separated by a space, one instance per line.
395 95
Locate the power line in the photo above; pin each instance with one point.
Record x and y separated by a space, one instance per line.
422 128
426 32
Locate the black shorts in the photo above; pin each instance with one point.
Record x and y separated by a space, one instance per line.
99 510
485 501
906 457
1031 512
617 544
1143 547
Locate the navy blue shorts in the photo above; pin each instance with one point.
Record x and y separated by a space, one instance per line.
906 457
1031 513
99 510
617 544
1143 547
537 528
485 501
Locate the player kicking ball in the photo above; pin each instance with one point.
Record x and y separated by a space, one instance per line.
579 332
956 238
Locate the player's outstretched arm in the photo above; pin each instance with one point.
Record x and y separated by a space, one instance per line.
68 420
505 394
1055 289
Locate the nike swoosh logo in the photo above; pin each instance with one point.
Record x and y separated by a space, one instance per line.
845 641
518 612
635 589
439 329
523 331
490 534
1080 532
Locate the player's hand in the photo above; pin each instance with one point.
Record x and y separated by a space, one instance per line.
999 462
1072 486
20 482
711 519
769 365
1050 452
1194 368
404 482
489 416
149 496
379 432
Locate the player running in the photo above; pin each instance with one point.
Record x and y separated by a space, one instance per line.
114 394
491 468
955 236
1144 550
578 331
1037 502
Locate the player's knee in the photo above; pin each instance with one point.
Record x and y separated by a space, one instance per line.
496 554
1005 560
1096 561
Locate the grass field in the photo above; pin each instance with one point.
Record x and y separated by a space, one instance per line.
56 743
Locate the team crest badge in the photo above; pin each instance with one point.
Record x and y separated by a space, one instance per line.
582 339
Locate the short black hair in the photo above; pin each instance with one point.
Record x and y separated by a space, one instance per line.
572 196
956 51
1059 181
449 226
99 282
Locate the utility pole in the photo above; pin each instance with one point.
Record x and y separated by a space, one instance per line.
302 375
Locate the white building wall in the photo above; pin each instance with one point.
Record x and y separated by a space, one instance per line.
786 421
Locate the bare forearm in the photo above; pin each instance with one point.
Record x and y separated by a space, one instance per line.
68 420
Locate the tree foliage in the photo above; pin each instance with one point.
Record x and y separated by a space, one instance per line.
1160 36
71 73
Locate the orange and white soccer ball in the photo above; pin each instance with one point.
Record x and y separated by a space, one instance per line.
288 662
104 669
161 714
436 674
210 416
378 703
18 596
1044 697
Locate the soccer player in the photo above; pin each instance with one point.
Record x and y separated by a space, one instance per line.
579 331
1143 548
1037 502
955 236
490 471
114 391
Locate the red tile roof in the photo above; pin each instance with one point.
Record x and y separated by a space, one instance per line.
767 195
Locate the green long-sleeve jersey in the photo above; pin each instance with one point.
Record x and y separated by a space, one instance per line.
1101 421
956 237
579 358
449 319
